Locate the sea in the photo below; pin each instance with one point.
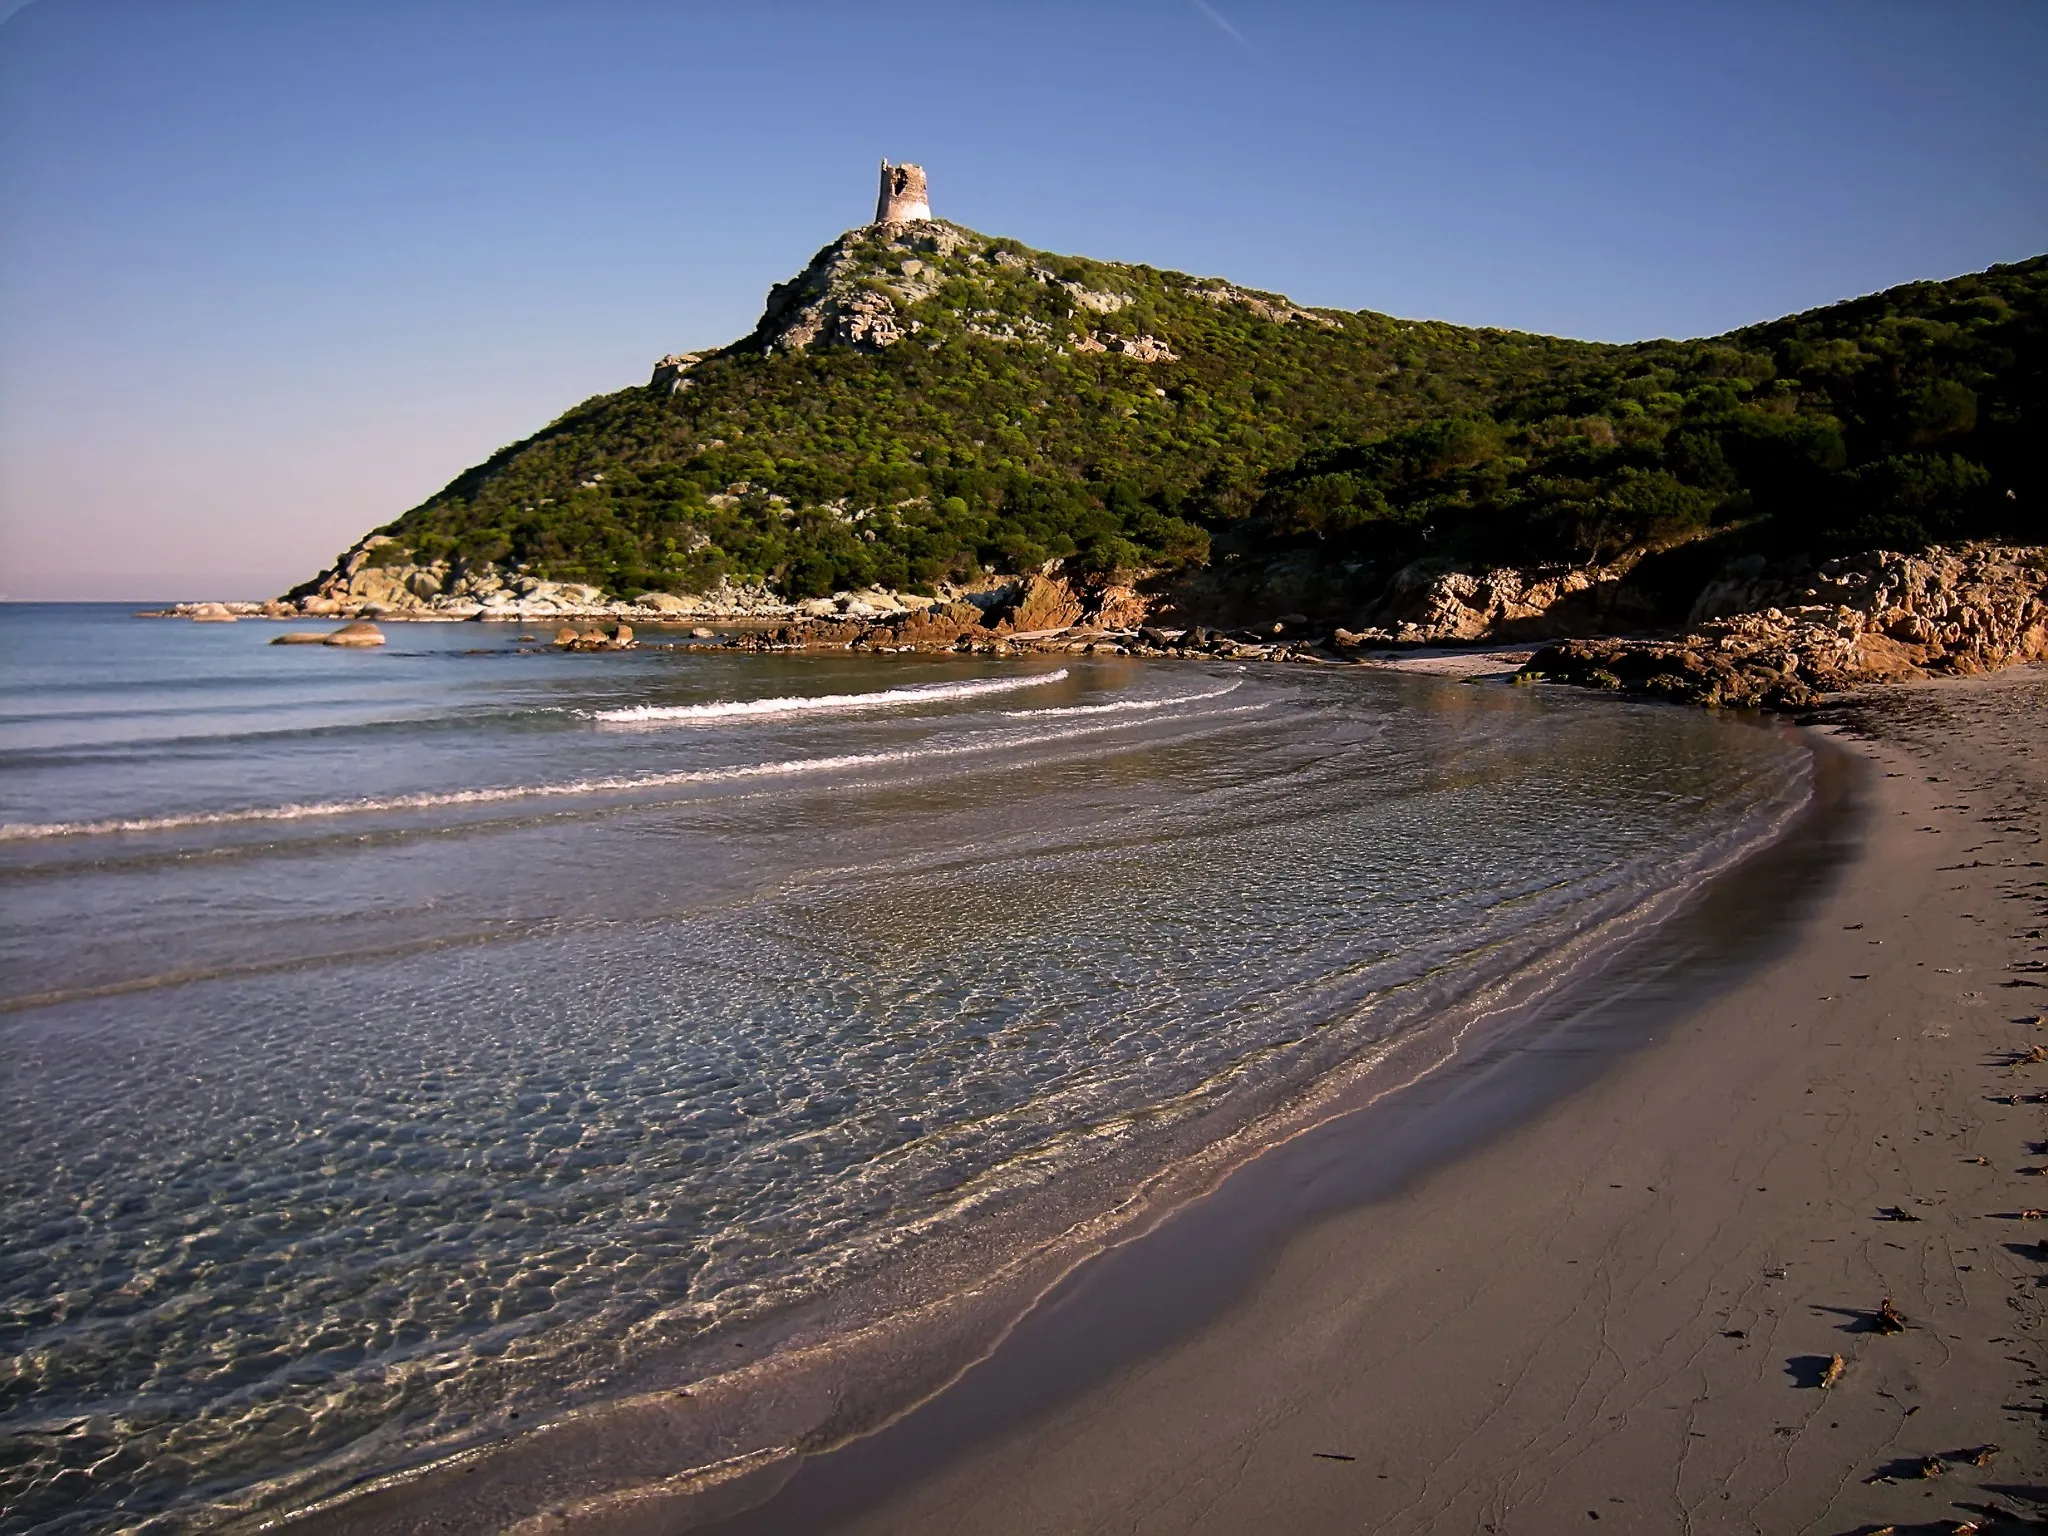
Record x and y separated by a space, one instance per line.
402 1047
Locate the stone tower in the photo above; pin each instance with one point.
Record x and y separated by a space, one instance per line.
903 195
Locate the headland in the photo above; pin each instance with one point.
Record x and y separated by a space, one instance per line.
936 439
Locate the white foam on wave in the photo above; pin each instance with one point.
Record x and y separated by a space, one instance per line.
622 783
1122 706
821 703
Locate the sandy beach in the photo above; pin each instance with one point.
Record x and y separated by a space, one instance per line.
1625 1308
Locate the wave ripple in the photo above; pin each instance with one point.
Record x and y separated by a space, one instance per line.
823 703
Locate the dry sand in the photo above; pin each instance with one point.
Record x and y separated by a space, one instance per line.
1618 1313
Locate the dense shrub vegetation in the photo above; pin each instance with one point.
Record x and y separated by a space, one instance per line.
984 440
1906 418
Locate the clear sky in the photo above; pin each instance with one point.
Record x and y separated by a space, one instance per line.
272 271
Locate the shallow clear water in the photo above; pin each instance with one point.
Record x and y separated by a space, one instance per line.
387 1038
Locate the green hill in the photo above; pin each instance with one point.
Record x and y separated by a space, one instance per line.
923 402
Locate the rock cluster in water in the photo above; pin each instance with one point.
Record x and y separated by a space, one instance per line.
1042 613
570 638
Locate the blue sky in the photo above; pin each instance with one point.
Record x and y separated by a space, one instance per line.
272 271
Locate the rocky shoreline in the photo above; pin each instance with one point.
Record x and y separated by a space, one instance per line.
1866 619
1756 636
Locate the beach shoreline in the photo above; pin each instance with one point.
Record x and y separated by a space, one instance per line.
1624 1308
1185 1345
811 1382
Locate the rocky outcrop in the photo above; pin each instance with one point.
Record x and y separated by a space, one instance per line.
1429 602
672 370
1044 611
840 299
1042 603
959 628
859 290
1267 306
1097 301
1139 349
1432 603
1873 618
380 579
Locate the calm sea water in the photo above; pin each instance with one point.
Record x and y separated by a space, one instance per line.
388 1038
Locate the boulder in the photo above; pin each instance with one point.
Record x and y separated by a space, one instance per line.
211 613
1045 603
382 586
936 629
664 602
302 637
358 634
1120 607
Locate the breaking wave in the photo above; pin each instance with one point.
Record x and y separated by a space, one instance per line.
613 784
1122 706
822 703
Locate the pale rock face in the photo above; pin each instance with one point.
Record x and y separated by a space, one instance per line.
868 320
830 301
1267 306
869 601
1139 349
385 586
1144 349
671 370
1093 301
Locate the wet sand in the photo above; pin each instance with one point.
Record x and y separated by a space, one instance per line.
1621 1307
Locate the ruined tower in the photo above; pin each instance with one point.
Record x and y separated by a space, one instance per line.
903 195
